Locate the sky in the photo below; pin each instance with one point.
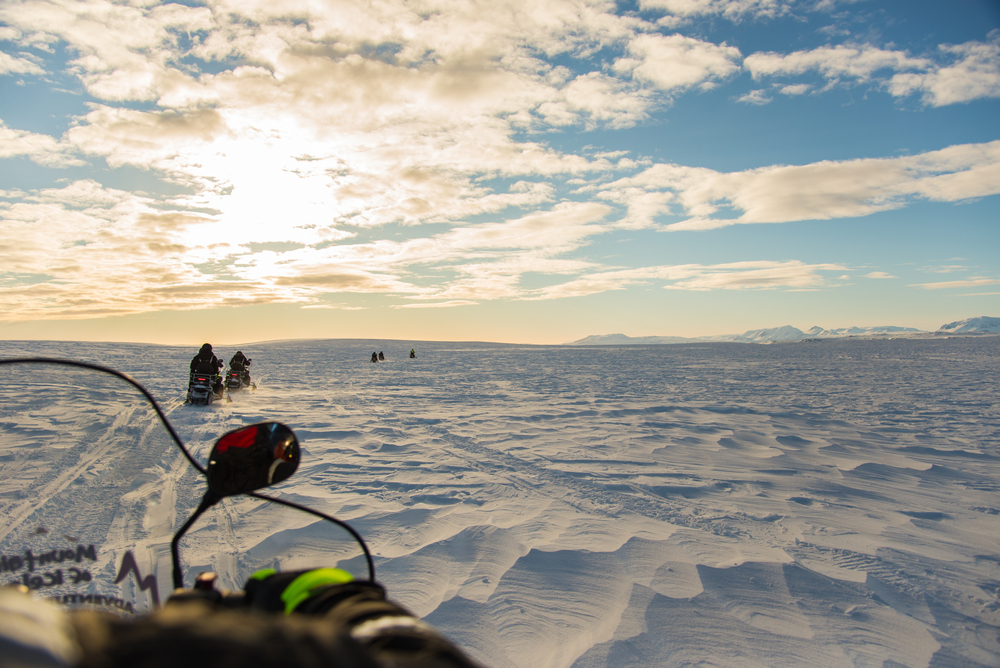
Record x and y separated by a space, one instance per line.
496 170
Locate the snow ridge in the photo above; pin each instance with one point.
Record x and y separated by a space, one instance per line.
979 325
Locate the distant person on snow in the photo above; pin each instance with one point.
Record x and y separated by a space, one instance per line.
381 357
374 356
206 362
243 362
412 354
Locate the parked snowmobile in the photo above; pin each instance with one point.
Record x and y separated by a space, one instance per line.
88 522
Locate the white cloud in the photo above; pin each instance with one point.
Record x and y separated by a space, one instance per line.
346 115
750 275
104 252
796 89
756 97
308 124
449 304
818 191
967 72
731 9
568 224
879 275
859 62
974 75
346 137
122 50
946 269
946 285
603 99
439 56
18 65
39 148
676 62
489 259
754 275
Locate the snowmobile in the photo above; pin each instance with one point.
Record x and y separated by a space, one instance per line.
88 526
201 389
236 377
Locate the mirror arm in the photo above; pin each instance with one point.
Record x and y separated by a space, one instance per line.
209 500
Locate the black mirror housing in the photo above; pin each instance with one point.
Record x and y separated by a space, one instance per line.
252 458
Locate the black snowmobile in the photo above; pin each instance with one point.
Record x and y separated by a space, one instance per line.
237 377
202 389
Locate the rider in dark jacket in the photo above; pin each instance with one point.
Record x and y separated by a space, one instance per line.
206 362
243 362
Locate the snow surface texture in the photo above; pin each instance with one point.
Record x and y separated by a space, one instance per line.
832 503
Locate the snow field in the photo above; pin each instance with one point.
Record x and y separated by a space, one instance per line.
827 503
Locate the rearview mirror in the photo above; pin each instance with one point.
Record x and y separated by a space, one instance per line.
252 458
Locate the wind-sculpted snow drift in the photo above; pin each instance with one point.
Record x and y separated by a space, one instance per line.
808 504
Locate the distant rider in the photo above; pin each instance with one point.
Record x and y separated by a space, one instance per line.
381 357
206 362
412 354
374 356
242 362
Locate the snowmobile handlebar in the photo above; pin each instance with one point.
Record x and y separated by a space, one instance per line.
245 460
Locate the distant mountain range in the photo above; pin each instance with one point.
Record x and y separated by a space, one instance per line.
980 325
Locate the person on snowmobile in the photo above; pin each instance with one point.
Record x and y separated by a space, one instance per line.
412 354
381 357
374 356
241 360
206 362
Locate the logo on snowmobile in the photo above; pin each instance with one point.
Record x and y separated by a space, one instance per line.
145 583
